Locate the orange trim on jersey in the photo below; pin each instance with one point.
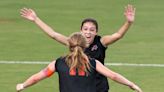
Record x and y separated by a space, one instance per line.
48 72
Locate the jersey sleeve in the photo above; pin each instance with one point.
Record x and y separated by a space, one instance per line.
93 63
57 64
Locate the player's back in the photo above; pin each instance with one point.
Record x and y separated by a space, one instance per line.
78 82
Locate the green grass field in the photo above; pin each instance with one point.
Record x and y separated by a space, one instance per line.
21 40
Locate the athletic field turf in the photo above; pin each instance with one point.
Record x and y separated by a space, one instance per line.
22 40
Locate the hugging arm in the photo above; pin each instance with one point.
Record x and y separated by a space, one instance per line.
115 76
30 14
43 74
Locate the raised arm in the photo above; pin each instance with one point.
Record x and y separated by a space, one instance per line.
30 14
130 16
47 72
115 76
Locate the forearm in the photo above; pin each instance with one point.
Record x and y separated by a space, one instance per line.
34 79
130 17
115 76
45 73
122 80
109 39
50 32
31 81
124 28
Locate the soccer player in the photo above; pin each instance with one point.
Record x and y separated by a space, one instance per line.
77 72
96 45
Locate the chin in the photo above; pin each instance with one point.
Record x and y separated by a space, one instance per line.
90 42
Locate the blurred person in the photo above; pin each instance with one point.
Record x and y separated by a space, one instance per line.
96 45
77 72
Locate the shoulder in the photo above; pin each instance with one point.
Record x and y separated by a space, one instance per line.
92 62
97 37
99 42
99 65
55 63
58 60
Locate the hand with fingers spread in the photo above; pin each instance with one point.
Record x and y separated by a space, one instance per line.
28 14
130 13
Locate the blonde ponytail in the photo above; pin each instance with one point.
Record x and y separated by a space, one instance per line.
77 59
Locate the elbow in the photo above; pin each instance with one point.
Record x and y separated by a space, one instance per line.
52 36
121 36
114 76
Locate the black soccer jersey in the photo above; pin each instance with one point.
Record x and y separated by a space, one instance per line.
75 83
97 50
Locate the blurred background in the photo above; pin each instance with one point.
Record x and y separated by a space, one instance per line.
22 40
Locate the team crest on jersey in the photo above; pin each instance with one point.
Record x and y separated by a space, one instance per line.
95 47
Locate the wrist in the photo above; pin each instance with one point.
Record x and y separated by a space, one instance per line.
129 22
132 85
22 86
36 19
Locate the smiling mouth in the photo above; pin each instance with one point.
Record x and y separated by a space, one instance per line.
88 37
